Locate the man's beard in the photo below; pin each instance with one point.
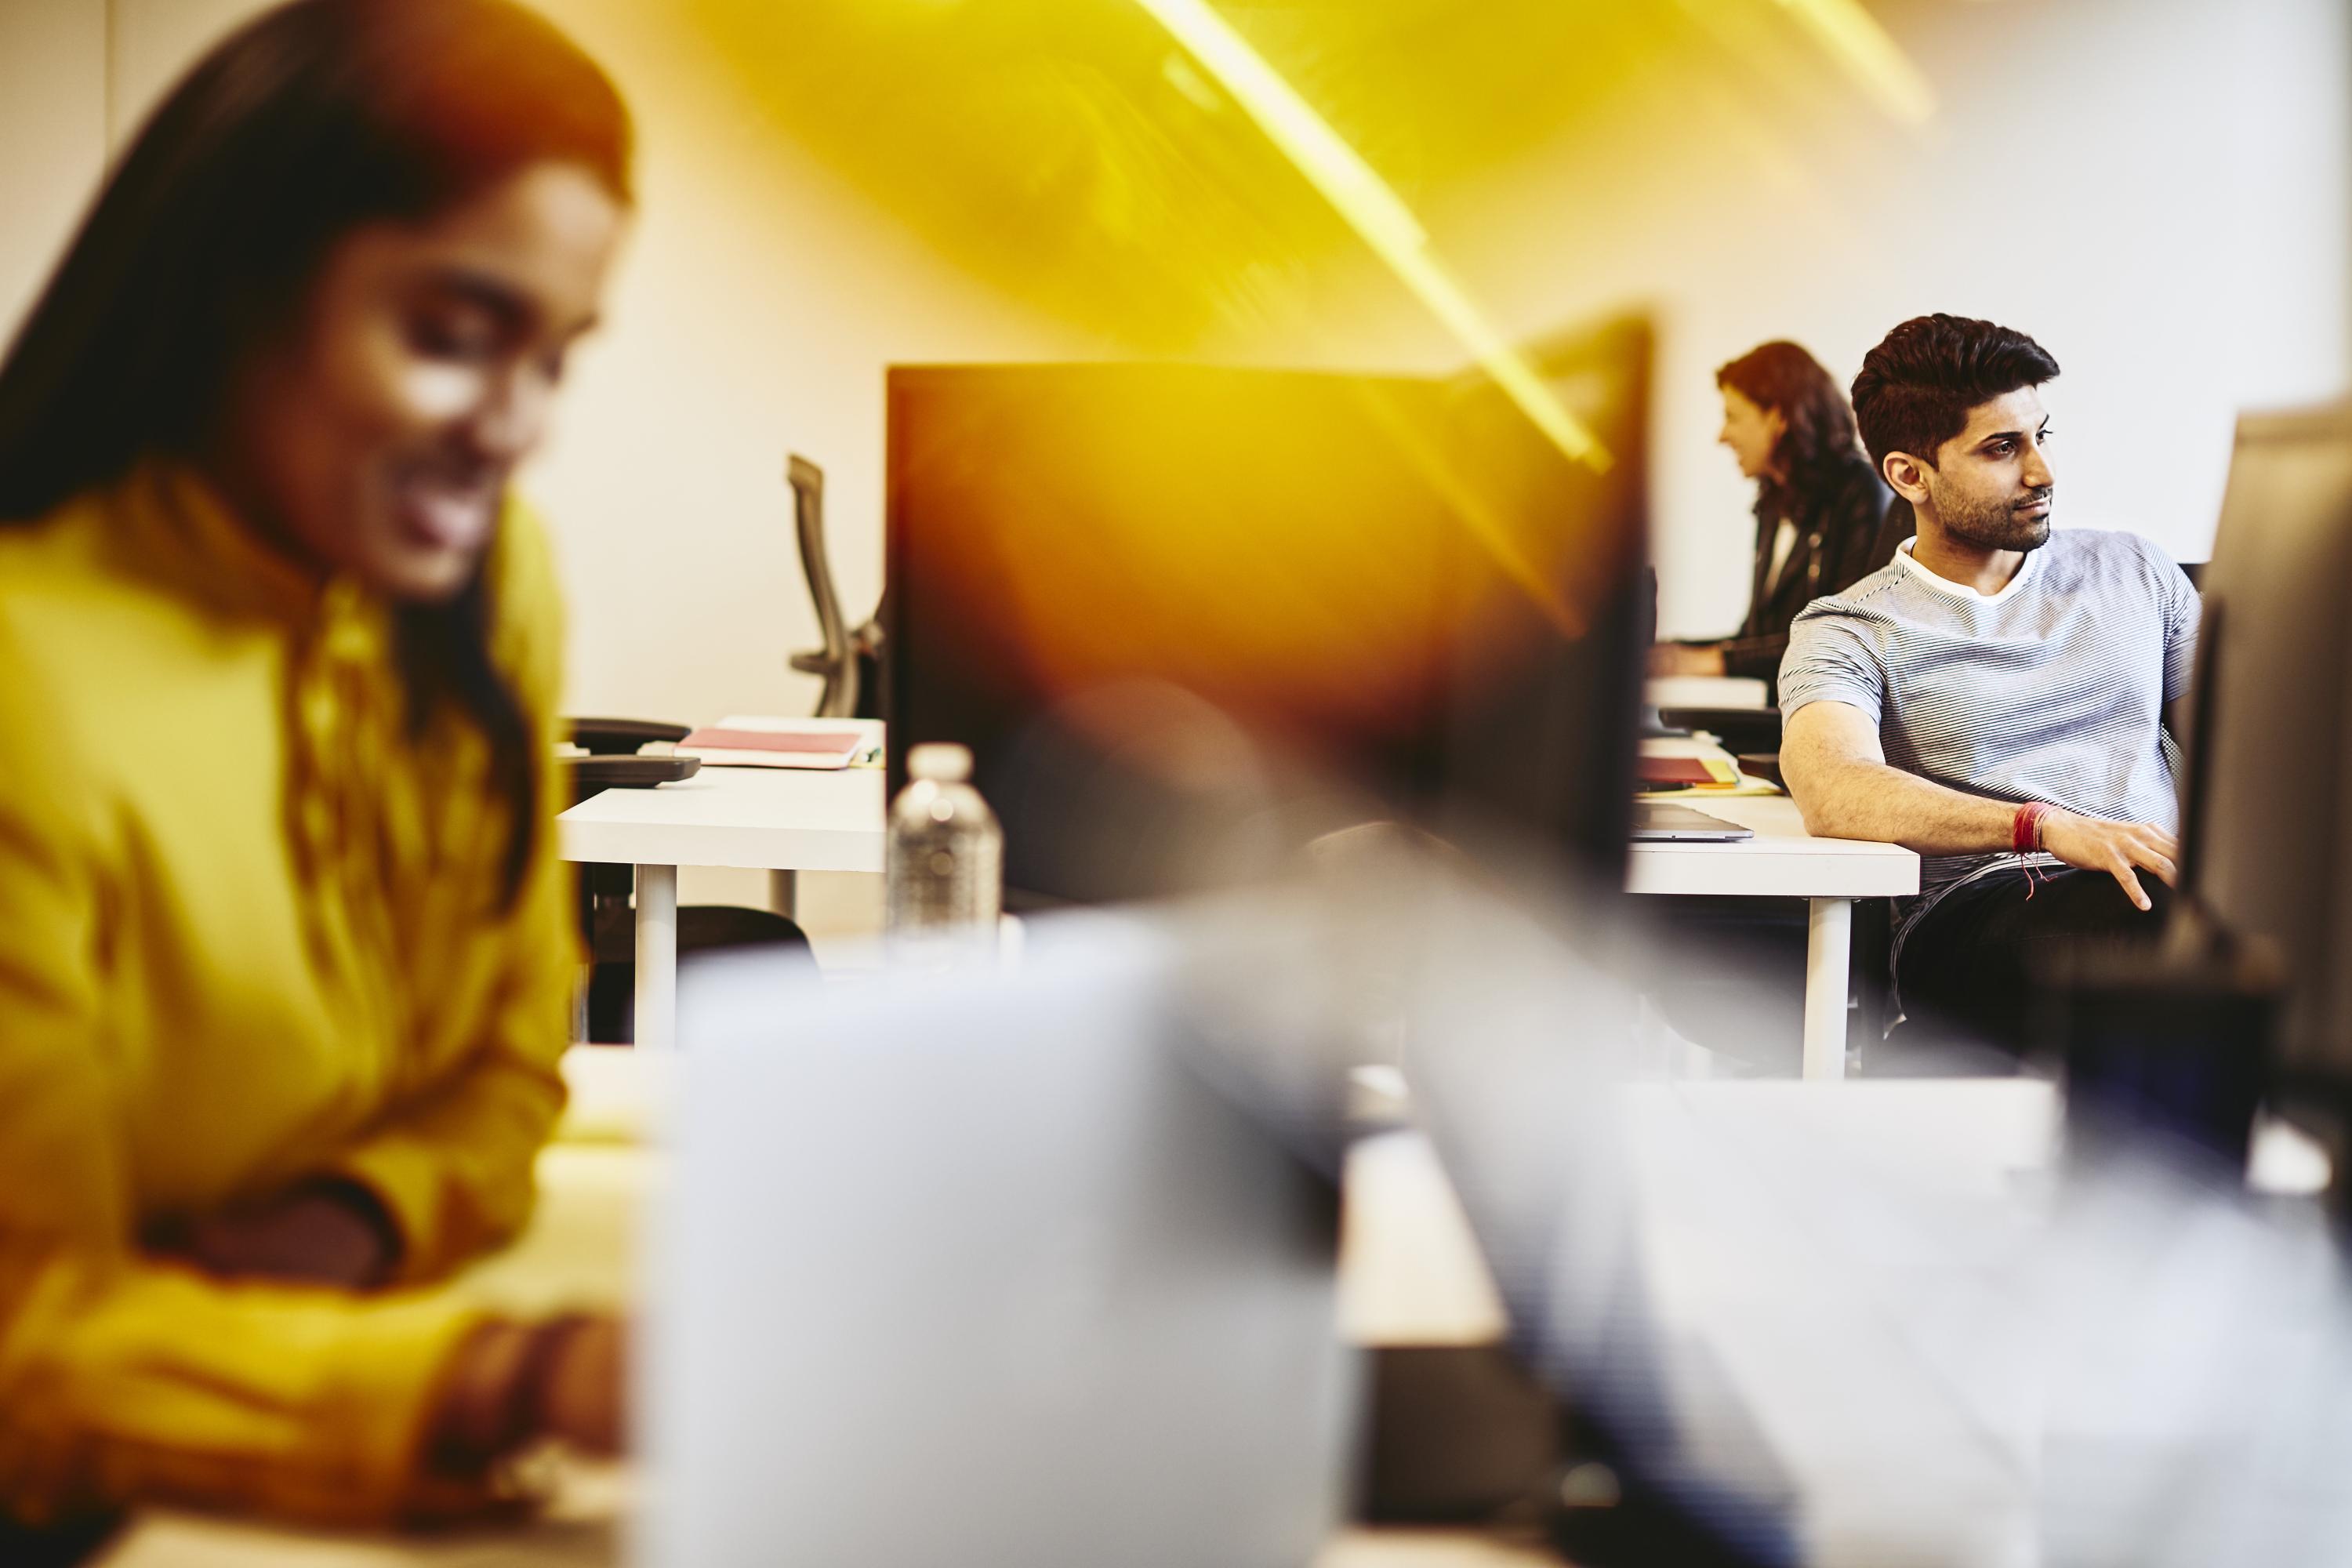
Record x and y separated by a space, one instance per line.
1995 525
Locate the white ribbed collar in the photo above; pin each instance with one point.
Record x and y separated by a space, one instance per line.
1961 590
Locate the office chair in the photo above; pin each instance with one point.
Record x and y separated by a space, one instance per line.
848 664
850 661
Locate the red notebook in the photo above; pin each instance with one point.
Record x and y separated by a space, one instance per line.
772 748
1655 771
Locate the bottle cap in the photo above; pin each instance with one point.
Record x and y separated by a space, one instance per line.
941 762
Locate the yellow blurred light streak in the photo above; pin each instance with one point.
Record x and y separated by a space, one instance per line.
1370 207
1179 74
1876 61
1473 512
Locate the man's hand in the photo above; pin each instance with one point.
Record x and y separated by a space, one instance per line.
321 1233
1681 659
2115 847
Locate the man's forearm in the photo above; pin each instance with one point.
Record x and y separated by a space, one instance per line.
1871 800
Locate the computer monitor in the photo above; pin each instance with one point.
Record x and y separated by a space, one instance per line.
1400 581
2269 834
1545 701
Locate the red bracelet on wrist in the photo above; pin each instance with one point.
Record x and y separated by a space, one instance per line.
2025 829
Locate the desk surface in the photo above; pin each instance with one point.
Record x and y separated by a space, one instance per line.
1781 861
787 820
768 819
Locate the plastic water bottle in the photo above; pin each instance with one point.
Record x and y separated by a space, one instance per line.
944 863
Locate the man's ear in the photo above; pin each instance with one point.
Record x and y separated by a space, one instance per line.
1905 478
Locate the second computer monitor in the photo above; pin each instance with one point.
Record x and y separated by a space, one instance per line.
2269 818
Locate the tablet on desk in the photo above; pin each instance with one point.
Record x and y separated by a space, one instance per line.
1657 822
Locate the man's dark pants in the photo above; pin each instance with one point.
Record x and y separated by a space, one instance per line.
1968 962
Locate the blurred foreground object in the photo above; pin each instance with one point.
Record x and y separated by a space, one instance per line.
997 1217
995 1269
1782 1323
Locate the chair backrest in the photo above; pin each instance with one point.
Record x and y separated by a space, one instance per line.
849 662
832 662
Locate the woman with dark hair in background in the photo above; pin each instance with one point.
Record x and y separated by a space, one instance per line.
285 956
1822 520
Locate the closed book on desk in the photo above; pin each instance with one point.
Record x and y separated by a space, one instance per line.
721 747
1684 772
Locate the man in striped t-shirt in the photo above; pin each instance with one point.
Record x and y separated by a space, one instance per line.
1994 699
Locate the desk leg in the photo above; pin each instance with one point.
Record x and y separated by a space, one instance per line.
1829 945
784 893
657 959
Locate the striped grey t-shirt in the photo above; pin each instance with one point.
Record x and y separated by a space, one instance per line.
2051 690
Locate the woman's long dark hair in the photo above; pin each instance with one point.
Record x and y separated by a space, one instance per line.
312 120
1820 441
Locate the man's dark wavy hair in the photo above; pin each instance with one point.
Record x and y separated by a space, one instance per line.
308 121
1918 385
1819 439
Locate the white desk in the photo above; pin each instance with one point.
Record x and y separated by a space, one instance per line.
770 819
785 820
1782 861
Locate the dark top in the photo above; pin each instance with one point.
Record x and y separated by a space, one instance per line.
1845 530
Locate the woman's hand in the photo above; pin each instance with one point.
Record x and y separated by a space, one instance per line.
511 1384
582 1398
326 1232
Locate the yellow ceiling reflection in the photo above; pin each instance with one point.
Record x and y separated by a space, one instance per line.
1088 157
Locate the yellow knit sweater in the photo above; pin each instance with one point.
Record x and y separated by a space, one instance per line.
249 932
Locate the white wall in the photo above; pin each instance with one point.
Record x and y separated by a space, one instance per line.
2160 190
52 136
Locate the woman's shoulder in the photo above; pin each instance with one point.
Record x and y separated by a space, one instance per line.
1842 490
66 591
63 613
56 550
121 568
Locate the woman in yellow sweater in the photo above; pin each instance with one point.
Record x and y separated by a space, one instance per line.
286 958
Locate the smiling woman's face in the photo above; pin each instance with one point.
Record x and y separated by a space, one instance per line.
377 439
